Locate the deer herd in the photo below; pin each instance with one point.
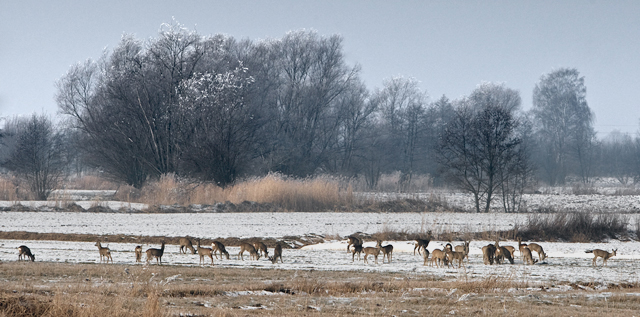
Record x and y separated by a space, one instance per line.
449 255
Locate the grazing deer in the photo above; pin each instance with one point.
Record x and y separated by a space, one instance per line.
501 253
104 253
357 248
420 243
185 243
537 248
277 253
597 253
155 253
372 251
387 251
261 248
453 256
425 256
438 256
353 240
526 256
24 252
464 249
488 254
249 248
202 252
217 246
138 253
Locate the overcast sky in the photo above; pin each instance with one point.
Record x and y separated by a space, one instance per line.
449 46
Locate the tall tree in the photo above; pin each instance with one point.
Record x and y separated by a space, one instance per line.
564 124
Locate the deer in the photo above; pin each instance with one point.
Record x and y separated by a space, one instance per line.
438 256
522 246
453 256
277 253
24 252
387 251
488 254
249 248
538 249
155 253
217 246
420 243
185 243
202 252
138 251
372 251
104 252
353 240
261 248
597 253
464 249
527 258
425 256
357 248
501 253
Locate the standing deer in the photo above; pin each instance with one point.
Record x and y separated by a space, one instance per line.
155 253
357 248
372 251
527 258
597 253
138 253
104 253
202 252
501 253
464 249
353 240
185 243
420 243
438 256
249 248
387 251
277 253
522 246
24 252
488 254
217 246
261 248
425 256
453 256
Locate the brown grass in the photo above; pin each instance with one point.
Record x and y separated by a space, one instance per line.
60 289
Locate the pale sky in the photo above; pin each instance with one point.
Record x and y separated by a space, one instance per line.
449 46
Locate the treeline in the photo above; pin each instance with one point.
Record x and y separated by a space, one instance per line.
215 109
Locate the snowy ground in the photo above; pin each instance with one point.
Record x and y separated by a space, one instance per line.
566 262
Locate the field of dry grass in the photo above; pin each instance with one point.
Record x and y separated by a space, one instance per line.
60 289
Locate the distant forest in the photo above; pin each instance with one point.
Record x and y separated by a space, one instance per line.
217 109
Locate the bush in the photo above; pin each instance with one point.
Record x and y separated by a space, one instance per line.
574 227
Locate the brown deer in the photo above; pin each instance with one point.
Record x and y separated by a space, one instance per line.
439 256
501 253
488 254
453 256
217 246
538 249
249 248
155 253
202 252
387 251
597 253
138 253
522 246
185 243
261 248
104 253
24 252
425 256
372 251
527 258
353 240
277 253
464 249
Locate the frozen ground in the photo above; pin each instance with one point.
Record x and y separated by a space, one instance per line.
566 262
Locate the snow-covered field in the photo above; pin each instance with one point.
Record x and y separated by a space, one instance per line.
242 225
566 262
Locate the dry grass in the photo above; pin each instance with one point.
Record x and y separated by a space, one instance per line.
59 289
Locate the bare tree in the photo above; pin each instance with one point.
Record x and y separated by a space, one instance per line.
37 157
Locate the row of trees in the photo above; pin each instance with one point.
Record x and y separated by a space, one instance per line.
215 109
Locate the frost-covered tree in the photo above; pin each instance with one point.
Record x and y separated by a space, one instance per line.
564 124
